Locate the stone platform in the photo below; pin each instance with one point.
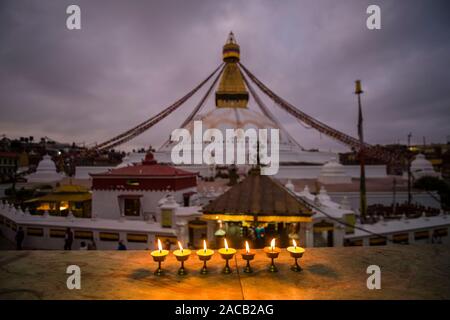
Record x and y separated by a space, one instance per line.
407 272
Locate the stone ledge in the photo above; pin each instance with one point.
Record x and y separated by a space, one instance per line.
408 272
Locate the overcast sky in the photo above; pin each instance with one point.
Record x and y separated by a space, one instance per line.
132 59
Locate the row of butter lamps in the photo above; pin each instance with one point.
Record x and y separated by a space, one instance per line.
227 253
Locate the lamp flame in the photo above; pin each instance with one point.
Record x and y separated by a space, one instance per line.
226 244
295 244
247 247
272 244
204 246
181 247
159 246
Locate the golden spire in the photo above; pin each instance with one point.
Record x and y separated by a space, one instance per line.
231 92
231 50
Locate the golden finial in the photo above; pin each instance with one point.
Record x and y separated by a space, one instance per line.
231 50
231 38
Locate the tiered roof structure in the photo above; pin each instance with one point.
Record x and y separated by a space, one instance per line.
258 198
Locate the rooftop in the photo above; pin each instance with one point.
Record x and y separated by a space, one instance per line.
402 225
372 185
407 272
258 194
148 167
5 154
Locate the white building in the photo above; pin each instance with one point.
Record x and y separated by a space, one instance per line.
332 224
133 192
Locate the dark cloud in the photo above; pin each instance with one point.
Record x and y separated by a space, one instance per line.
133 58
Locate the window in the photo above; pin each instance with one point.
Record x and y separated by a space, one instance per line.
378 241
109 236
132 207
134 237
420 235
133 183
37 232
57 233
441 232
81 234
402 238
353 243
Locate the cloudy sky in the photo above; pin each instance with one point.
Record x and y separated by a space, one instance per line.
132 59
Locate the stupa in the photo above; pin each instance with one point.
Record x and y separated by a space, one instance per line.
45 172
421 167
234 110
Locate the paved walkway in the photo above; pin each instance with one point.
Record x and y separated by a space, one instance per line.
408 272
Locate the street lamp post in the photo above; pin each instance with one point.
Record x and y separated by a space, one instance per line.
362 179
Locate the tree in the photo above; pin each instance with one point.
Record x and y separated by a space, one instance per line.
428 183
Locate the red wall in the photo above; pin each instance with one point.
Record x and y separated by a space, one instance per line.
178 183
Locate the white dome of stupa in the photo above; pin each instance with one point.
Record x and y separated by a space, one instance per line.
421 167
245 118
46 164
45 172
333 172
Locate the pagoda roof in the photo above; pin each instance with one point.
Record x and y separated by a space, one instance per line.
71 188
258 197
149 167
58 197
69 192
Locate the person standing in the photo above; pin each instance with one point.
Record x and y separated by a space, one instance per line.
20 235
121 246
68 239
